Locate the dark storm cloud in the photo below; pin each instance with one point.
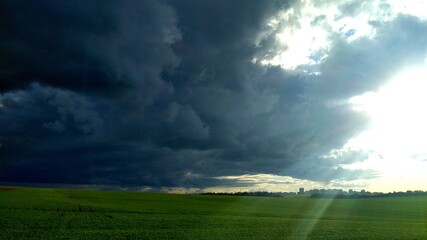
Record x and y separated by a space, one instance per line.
100 46
55 110
164 93
99 65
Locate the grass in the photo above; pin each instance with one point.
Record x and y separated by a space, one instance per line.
31 213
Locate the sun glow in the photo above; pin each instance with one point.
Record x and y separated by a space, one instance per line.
398 127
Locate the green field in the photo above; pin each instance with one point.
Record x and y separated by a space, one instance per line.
30 213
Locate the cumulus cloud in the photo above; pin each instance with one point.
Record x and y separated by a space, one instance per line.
174 93
364 64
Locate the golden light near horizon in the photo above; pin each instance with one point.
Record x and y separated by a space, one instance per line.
398 128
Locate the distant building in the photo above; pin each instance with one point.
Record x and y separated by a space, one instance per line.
301 191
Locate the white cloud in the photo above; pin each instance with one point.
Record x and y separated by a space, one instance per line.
396 136
414 7
277 183
305 33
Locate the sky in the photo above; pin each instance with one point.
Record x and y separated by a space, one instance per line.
201 95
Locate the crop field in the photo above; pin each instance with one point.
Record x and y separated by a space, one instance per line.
31 213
